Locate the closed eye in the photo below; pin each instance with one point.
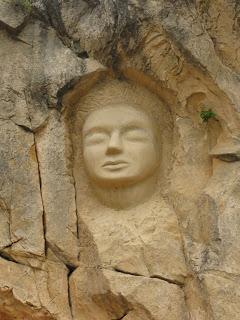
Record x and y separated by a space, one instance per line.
96 138
135 134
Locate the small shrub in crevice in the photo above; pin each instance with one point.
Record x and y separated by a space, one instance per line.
26 5
207 114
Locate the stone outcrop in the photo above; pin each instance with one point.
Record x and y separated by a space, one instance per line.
64 254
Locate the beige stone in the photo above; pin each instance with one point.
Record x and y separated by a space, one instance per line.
17 75
19 279
228 150
172 252
221 212
223 294
113 234
44 291
20 193
120 153
133 244
58 190
12 15
52 285
19 293
103 294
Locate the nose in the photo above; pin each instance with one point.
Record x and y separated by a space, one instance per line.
115 143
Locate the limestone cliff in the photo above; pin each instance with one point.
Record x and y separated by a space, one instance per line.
63 255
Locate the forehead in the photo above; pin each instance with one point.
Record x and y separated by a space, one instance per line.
116 117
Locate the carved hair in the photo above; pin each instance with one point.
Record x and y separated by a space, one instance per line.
115 93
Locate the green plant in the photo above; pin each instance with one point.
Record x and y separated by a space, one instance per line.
25 4
207 114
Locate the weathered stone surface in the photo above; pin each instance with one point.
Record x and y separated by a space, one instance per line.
103 294
12 16
223 293
133 244
19 293
35 293
21 204
19 279
58 191
175 255
223 26
17 76
221 211
28 89
227 151
52 285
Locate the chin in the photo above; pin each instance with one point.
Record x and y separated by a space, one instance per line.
115 182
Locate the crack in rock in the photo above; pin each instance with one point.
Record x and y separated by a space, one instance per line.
158 277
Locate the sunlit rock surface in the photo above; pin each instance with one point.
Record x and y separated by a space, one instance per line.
65 255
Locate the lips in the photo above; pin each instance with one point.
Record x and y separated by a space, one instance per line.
118 164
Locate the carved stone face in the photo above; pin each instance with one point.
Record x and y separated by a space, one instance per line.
119 146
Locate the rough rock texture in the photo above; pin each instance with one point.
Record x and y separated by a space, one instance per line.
63 255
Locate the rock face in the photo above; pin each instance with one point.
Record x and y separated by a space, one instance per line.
114 242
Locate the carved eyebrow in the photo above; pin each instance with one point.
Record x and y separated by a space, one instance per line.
133 127
94 130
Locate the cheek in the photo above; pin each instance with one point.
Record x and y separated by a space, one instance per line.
93 154
147 162
143 154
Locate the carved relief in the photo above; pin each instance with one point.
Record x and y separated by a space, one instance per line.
125 225
120 152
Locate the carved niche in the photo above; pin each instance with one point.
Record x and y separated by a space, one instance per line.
130 241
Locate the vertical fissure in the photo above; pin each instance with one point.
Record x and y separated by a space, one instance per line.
75 195
7 209
41 194
73 177
69 291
